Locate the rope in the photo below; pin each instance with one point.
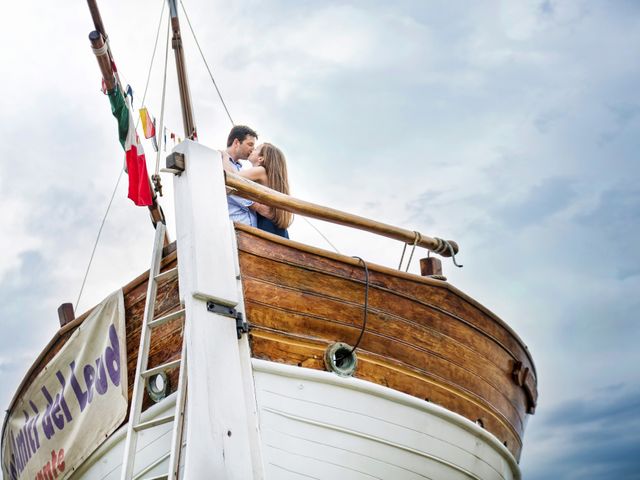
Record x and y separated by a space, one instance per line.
321 234
164 91
438 277
416 240
100 51
206 64
443 246
95 245
153 56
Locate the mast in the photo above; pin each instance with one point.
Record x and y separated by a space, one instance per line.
183 84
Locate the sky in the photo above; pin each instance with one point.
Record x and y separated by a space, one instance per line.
510 127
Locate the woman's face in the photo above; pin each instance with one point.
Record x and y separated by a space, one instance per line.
256 156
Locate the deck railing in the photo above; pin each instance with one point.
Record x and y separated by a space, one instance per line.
259 193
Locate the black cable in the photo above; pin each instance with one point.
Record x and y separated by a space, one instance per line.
366 303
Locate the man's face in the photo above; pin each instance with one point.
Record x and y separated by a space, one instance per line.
243 149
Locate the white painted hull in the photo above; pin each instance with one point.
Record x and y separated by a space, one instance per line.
152 457
317 425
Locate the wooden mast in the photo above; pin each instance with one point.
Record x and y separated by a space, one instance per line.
101 49
183 84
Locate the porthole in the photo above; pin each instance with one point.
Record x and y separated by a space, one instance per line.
339 358
158 386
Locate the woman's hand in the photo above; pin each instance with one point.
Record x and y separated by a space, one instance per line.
264 210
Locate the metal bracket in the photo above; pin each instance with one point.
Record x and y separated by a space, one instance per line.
241 324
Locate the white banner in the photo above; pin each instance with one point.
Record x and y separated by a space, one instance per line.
76 401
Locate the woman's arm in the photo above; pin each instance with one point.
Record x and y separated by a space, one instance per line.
257 174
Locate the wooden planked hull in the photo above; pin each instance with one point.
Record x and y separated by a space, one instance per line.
423 337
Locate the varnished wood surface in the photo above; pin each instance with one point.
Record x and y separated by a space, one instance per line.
423 337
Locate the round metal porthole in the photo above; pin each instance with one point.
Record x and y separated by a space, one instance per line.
158 386
339 359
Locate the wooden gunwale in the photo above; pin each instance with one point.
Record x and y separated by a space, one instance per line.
476 359
243 246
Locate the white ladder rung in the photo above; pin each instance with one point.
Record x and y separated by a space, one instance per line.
167 318
161 368
153 423
166 276
141 474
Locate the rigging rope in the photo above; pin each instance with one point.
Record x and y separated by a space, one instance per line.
164 91
206 64
416 239
321 234
95 245
153 56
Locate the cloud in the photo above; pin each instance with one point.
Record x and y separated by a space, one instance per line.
596 436
510 127
540 202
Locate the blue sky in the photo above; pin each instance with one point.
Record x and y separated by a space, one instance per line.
511 127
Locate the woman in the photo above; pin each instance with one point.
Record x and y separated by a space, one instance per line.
269 169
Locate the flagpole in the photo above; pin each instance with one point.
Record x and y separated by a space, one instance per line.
105 62
183 84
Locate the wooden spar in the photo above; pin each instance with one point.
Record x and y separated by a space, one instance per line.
262 194
97 18
104 58
104 62
183 84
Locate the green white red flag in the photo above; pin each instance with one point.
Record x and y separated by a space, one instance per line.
139 187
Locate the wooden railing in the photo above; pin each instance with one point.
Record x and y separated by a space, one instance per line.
259 193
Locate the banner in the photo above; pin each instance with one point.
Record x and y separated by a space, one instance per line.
77 400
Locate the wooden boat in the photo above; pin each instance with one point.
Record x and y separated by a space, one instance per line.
439 387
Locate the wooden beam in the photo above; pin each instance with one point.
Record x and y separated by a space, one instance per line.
66 313
430 266
259 193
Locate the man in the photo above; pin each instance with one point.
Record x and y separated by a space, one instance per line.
240 144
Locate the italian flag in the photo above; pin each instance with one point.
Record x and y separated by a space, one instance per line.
139 187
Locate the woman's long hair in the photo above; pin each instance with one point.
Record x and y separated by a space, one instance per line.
275 164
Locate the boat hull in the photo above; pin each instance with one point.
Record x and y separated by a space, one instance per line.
423 337
442 389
